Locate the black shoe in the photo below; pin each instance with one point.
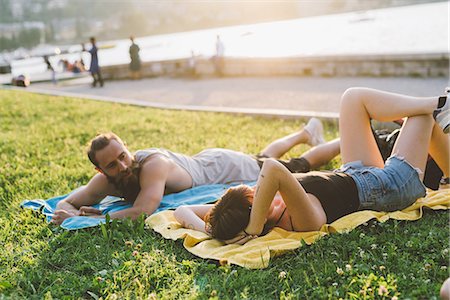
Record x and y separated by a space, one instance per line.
442 115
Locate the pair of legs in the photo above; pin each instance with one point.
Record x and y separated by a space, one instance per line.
419 135
97 76
322 154
311 134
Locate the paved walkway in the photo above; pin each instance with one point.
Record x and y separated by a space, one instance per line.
288 96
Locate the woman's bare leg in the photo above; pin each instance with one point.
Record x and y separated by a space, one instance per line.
359 105
311 134
322 154
413 141
440 149
279 147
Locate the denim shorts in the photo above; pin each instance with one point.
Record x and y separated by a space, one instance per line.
392 188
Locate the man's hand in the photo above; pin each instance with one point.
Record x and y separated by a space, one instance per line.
60 215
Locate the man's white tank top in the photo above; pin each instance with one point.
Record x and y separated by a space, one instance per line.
211 166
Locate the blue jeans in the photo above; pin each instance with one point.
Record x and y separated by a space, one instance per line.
392 188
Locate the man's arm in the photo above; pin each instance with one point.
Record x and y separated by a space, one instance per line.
152 179
97 189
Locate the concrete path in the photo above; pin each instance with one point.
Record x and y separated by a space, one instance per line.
289 96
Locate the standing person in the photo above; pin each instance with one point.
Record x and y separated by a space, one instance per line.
191 64
82 64
307 202
94 67
51 68
135 64
219 60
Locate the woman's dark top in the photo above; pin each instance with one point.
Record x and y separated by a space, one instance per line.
337 192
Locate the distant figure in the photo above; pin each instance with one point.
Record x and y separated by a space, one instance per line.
50 67
135 65
81 58
66 65
21 80
191 64
94 67
219 58
76 67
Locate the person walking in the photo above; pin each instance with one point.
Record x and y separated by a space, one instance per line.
219 60
135 64
94 67
50 68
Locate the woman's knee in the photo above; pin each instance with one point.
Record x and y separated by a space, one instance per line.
353 104
352 95
272 166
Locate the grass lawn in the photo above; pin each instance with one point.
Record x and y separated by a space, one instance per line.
42 154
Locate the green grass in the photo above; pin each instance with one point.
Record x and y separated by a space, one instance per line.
42 154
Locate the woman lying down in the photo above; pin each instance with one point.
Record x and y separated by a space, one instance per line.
305 202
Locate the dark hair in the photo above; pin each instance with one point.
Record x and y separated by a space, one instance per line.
231 214
100 142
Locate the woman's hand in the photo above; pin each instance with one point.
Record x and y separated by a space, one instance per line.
241 238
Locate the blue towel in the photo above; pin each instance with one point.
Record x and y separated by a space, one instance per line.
197 195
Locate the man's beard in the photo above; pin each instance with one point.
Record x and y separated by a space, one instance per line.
128 185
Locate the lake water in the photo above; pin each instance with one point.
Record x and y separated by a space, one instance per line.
401 30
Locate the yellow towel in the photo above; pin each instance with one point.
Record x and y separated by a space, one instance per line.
256 253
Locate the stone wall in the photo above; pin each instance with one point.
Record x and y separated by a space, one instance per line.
409 65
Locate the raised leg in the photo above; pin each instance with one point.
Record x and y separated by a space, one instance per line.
413 142
311 134
359 106
279 147
322 154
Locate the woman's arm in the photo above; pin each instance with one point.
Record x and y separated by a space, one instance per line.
265 191
191 216
305 210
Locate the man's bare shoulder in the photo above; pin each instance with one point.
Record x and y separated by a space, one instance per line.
160 170
155 164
